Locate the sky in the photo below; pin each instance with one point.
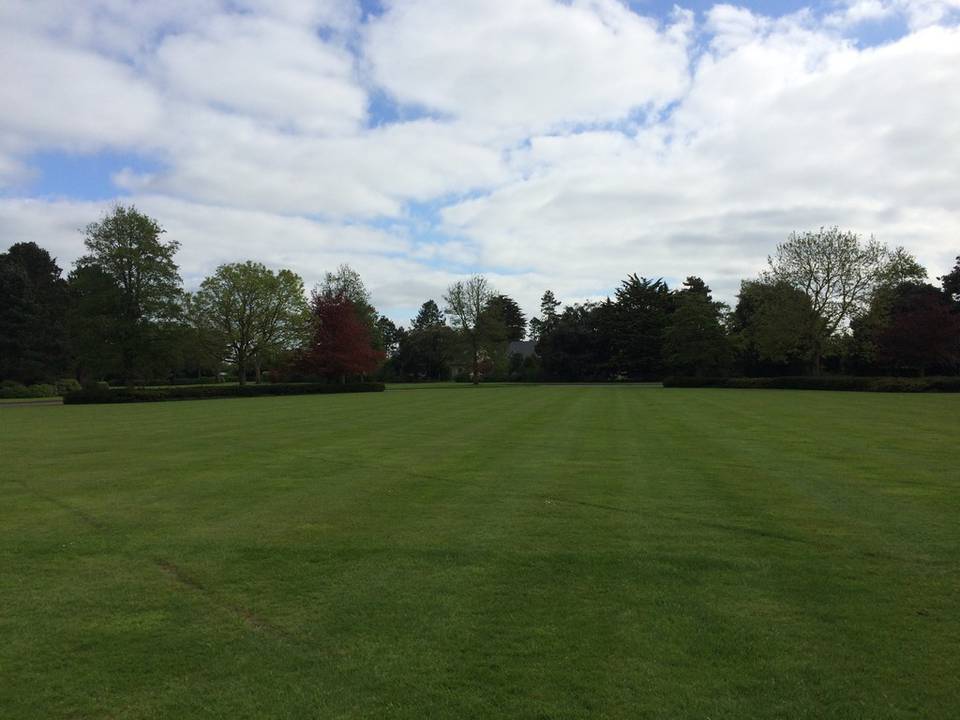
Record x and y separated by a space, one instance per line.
545 144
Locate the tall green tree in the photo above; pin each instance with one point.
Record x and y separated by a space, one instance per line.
126 249
837 270
504 312
861 344
776 328
429 316
578 344
548 316
428 347
642 313
467 302
249 313
390 335
33 307
695 340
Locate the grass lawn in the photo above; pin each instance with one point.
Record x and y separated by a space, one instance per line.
458 552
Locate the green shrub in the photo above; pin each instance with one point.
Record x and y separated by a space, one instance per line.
823 382
67 385
205 392
14 390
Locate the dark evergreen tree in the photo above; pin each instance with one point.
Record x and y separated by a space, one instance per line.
548 316
505 315
33 307
577 346
643 309
695 340
425 352
951 282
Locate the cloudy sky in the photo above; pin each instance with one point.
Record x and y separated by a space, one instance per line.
546 144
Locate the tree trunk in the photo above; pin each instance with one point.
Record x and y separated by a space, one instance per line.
242 369
476 366
257 368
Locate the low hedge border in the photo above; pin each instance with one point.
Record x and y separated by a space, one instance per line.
848 383
208 392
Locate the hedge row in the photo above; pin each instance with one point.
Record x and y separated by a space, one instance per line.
13 390
206 392
861 384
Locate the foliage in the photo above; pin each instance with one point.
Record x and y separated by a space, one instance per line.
134 274
33 304
835 269
66 385
822 382
577 344
951 282
245 312
390 335
347 283
922 331
427 349
504 314
549 316
429 316
341 345
695 341
775 327
13 390
640 318
208 392
467 302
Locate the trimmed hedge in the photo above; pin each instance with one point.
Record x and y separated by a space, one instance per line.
826 382
13 391
208 392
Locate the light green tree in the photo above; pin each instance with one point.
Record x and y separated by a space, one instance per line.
248 312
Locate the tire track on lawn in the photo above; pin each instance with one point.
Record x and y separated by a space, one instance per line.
190 583
172 570
81 515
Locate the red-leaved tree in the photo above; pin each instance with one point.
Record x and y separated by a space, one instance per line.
341 344
922 332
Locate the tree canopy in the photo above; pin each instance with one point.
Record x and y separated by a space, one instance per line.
126 249
247 311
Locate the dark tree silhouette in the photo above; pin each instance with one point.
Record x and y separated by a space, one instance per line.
951 282
923 332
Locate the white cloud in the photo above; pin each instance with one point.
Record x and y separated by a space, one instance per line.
918 14
61 96
562 144
527 63
266 69
774 136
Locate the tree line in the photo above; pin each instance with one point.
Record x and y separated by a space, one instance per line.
828 302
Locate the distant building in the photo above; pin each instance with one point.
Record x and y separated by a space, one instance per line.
525 348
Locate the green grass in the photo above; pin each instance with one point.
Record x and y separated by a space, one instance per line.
509 552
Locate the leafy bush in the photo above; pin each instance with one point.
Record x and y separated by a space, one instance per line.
14 390
828 382
67 385
206 392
